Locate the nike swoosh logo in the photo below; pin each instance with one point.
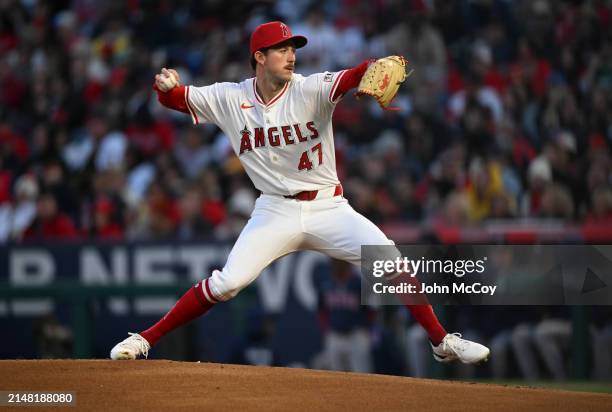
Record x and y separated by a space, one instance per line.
245 106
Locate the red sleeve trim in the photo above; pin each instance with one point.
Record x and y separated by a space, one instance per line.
333 96
348 80
173 99
191 111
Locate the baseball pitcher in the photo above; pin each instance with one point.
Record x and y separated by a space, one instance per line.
280 127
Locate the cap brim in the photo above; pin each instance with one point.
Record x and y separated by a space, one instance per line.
298 41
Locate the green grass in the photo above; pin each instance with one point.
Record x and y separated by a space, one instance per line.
578 386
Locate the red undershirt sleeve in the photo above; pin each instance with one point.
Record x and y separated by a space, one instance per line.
173 99
350 79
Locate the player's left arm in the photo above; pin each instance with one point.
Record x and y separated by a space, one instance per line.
349 79
324 90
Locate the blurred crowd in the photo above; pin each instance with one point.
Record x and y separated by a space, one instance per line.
507 115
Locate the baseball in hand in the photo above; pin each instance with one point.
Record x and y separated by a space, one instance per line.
167 80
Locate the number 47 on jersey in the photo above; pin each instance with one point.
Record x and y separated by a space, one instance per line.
305 162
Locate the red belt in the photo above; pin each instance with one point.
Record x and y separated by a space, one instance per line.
312 194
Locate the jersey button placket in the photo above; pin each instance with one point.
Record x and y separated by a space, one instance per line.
273 156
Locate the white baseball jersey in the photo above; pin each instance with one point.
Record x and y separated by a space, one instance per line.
285 146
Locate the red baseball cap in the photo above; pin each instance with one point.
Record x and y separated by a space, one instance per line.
272 33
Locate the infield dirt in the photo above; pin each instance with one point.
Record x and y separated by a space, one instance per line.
167 385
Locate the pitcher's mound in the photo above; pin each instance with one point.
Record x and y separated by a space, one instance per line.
165 385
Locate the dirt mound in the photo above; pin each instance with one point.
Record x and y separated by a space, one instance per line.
163 385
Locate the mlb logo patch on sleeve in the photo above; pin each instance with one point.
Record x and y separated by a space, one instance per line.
328 77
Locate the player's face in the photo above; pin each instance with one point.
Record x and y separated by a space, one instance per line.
280 62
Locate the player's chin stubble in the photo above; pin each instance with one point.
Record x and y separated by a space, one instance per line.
283 76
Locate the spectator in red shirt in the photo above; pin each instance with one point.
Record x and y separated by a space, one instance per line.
104 226
157 216
50 223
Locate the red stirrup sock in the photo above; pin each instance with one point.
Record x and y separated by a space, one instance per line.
190 306
426 317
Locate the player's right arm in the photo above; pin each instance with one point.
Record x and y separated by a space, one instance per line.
174 98
206 104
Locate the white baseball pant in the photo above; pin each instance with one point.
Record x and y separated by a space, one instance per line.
279 226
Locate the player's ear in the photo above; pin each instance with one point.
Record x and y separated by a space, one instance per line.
259 57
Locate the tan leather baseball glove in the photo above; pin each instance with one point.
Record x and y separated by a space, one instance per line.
382 79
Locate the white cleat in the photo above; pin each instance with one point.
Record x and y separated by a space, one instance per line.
131 348
453 347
